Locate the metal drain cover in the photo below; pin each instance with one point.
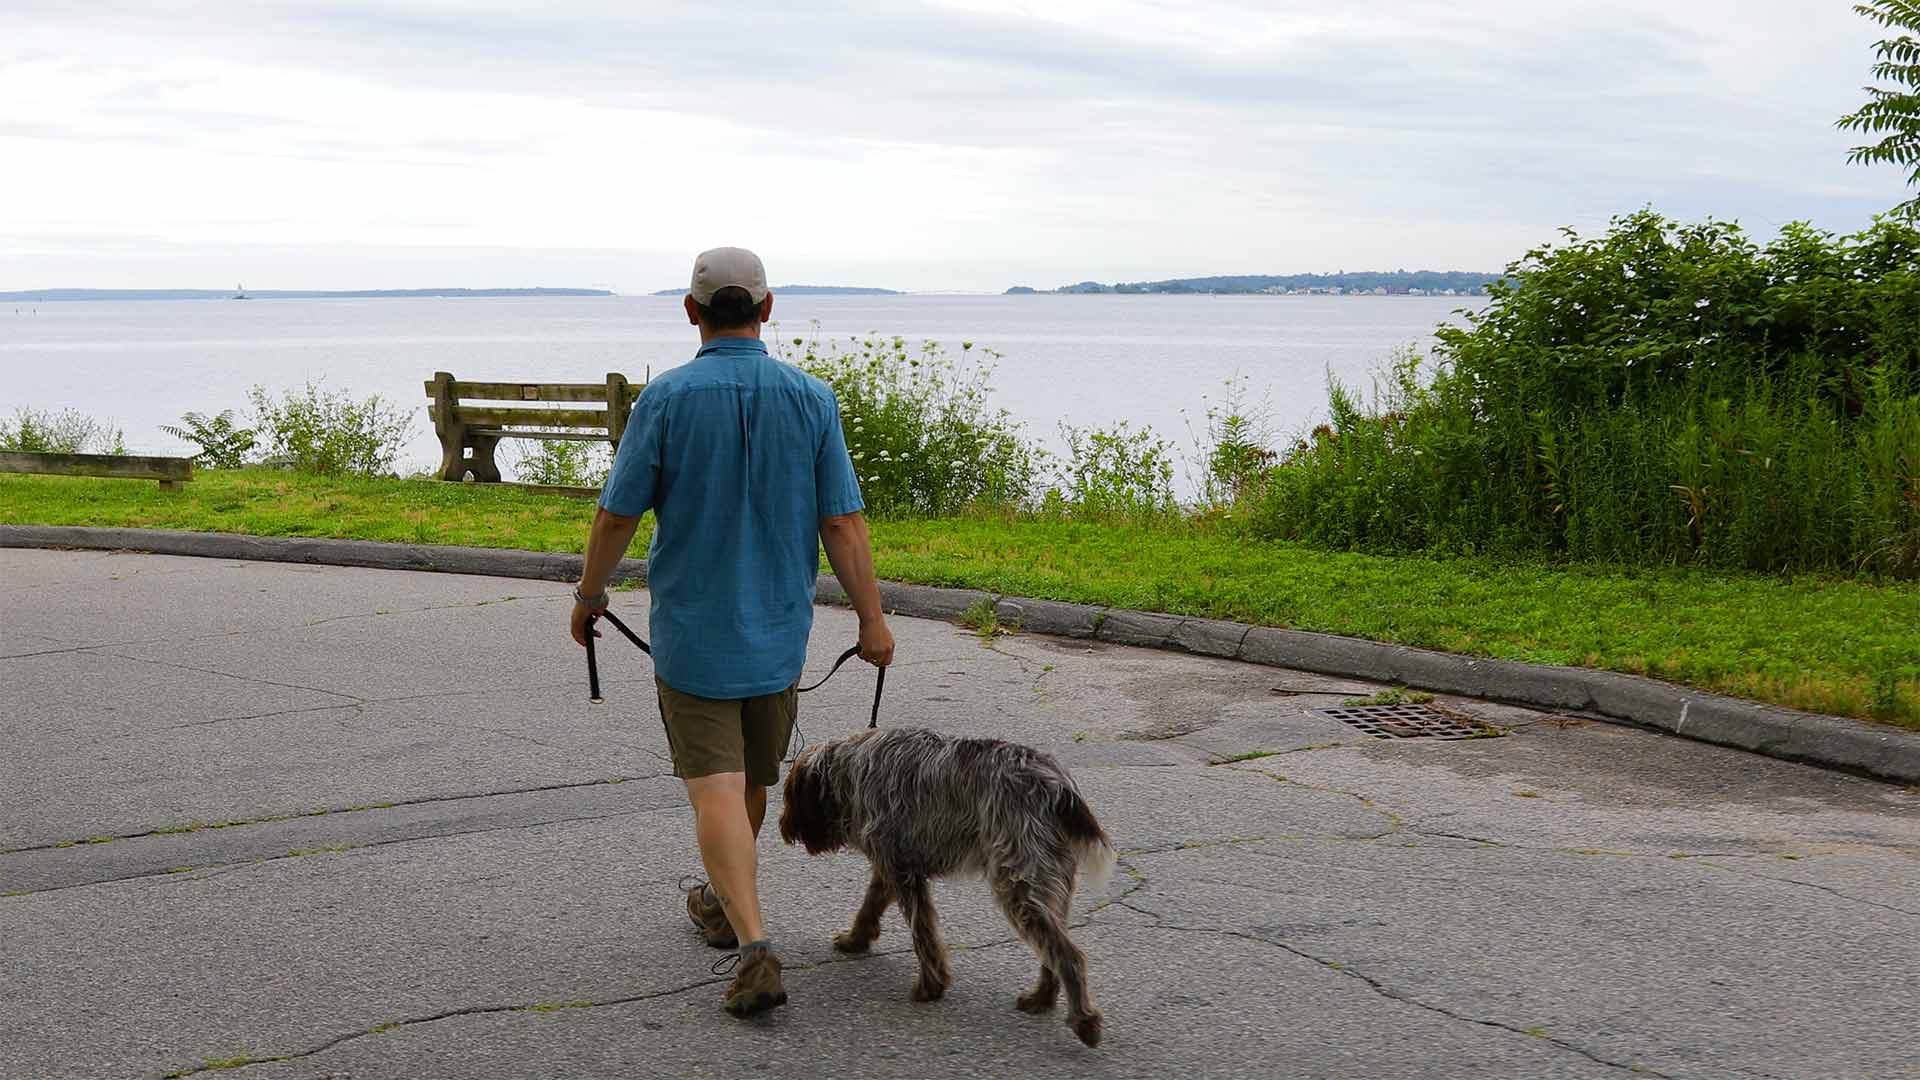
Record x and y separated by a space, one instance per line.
1407 721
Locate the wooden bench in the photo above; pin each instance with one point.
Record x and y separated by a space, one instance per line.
469 432
170 471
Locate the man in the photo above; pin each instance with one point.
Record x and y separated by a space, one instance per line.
743 462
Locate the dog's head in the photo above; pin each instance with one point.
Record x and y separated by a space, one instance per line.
810 816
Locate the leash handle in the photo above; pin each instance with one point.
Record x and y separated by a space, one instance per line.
622 627
593 666
844 657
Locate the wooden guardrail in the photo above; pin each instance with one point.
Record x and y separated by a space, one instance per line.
170 471
469 431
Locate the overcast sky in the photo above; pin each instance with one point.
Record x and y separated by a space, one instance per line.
970 144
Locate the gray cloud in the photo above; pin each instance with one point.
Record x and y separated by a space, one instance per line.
1347 131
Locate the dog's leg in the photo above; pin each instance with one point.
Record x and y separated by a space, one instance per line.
866 924
916 903
1018 904
1043 925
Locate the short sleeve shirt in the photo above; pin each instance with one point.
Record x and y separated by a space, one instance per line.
739 456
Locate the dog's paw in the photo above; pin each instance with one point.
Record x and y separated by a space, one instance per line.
1088 1028
849 941
1035 1002
927 990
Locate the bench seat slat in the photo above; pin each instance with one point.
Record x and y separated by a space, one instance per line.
564 436
508 391
501 416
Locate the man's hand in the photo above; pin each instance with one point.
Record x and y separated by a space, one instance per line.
583 615
876 641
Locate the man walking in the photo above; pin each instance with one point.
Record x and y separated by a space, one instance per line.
743 462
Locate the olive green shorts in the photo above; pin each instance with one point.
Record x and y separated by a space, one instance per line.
709 736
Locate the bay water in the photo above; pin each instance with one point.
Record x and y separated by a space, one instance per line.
1155 361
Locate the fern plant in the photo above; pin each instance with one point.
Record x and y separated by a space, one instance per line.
223 443
1893 114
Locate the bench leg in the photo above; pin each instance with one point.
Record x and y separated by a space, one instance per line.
453 453
484 470
170 485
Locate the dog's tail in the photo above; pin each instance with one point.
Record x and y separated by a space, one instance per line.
1095 851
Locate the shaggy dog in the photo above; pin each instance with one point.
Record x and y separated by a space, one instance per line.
920 806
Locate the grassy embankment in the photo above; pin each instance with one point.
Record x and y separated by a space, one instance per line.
1811 642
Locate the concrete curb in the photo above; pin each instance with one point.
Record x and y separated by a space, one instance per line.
1831 741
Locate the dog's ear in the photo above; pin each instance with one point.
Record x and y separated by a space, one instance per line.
808 816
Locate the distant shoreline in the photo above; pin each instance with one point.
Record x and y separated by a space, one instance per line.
74 295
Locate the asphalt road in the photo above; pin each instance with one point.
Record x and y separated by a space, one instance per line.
433 858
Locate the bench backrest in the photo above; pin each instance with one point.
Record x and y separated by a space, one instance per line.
457 404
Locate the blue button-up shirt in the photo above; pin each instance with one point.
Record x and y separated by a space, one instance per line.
740 457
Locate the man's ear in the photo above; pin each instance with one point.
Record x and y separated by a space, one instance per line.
766 308
693 310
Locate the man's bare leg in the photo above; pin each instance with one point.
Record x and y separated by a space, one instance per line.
724 824
756 807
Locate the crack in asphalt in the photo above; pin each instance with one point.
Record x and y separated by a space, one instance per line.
177 640
207 826
1802 884
217 869
546 1007
354 698
1390 993
1395 821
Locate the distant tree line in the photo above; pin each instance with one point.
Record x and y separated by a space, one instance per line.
1460 282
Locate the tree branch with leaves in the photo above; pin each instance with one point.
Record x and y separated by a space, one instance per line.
1893 114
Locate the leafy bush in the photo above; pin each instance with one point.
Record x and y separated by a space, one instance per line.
1117 472
565 463
1233 450
328 432
1662 394
64 432
223 444
924 440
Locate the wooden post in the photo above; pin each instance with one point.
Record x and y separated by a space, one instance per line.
453 465
617 406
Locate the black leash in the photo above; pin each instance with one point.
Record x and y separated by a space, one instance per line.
593 666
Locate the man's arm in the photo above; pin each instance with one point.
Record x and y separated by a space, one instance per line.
850 553
607 542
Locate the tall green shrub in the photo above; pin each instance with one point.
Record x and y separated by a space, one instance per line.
1664 393
924 439
65 432
329 432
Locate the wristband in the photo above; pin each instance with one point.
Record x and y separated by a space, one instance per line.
598 600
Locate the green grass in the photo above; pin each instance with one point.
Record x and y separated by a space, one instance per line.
1812 642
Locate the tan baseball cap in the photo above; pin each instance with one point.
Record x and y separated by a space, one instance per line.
723 266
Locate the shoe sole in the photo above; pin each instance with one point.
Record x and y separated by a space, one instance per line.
759 1003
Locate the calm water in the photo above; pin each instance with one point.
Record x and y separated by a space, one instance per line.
1082 359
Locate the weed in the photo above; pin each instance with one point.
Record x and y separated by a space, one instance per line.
564 463
327 850
1117 473
923 435
64 432
1250 755
220 1064
1394 696
983 618
223 443
330 433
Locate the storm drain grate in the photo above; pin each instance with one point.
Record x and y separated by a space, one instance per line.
1407 721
